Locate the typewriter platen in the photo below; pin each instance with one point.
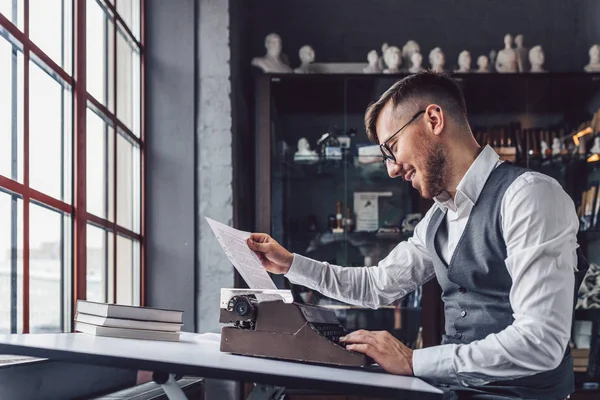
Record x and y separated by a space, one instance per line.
283 329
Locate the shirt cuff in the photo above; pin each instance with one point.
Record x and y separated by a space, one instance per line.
305 271
435 363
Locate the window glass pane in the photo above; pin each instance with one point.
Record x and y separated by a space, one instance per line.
128 83
129 10
11 111
11 263
100 264
49 260
100 54
51 29
100 167
124 271
13 10
50 139
128 184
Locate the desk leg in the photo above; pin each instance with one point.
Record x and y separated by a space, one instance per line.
169 385
266 392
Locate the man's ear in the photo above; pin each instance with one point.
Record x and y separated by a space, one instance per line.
435 118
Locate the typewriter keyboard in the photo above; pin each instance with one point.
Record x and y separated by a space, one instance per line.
332 332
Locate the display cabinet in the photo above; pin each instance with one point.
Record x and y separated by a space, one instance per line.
335 202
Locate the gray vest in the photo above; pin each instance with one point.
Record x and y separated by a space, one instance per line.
476 285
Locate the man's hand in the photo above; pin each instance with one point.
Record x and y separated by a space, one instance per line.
272 255
383 348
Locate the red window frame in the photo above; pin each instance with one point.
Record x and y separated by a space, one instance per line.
80 97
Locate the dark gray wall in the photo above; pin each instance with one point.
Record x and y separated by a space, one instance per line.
170 155
345 30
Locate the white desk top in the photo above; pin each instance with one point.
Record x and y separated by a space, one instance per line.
199 355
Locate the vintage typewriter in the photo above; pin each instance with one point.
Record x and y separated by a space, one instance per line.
268 323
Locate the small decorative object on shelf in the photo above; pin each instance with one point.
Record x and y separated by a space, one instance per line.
596 147
506 60
272 61
594 64
416 61
393 60
307 57
381 62
536 58
437 59
522 55
464 62
373 60
339 218
410 222
493 57
411 47
557 147
483 66
329 147
304 153
349 221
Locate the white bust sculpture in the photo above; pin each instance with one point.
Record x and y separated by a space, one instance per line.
437 59
411 47
506 61
416 62
522 55
556 146
536 58
373 60
594 65
304 152
464 62
393 60
381 63
307 56
483 64
596 147
543 148
272 61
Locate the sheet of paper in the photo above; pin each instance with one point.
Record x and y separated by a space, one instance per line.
246 262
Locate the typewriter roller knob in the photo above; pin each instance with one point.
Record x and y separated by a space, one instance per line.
241 305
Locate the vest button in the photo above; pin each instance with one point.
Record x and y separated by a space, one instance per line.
462 290
458 335
463 313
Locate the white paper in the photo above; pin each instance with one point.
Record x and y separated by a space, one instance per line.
366 208
234 244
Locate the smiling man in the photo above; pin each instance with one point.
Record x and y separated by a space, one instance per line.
500 239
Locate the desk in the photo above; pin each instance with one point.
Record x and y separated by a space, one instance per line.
199 355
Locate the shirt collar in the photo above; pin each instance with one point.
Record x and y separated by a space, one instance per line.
472 183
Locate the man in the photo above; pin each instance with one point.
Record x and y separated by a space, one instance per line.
500 239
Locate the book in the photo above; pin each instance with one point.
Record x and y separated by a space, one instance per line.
129 312
127 323
126 333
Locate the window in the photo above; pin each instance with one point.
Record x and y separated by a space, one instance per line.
71 159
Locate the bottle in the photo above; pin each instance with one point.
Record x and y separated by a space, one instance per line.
339 218
349 222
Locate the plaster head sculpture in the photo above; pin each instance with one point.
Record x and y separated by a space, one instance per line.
594 64
536 58
523 64
384 47
556 146
483 64
393 60
304 152
506 61
272 61
373 60
416 63
464 61
408 50
307 56
437 59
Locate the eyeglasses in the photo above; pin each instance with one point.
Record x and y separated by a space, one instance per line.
386 150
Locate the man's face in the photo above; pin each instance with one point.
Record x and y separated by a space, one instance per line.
420 157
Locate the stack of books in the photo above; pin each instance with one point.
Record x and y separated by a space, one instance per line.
580 359
131 322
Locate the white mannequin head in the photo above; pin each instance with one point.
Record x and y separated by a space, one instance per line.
384 46
464 60
273 45
392 57
536 58
436 58
595 54
508 41
416 59
306 54
372 58
482 63
303 145
410 48
519 40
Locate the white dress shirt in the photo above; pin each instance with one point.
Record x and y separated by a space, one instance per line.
539 225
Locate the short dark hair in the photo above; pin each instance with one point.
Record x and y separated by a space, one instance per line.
425 86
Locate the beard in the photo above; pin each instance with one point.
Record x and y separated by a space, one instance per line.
434 171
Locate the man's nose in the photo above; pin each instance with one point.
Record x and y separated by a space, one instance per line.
393 169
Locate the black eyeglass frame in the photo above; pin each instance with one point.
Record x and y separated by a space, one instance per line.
385 148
